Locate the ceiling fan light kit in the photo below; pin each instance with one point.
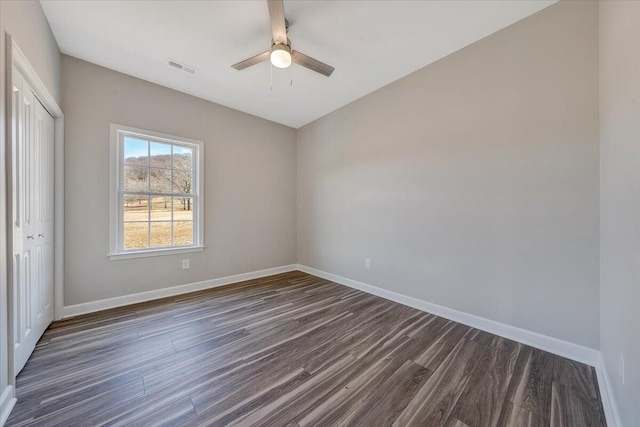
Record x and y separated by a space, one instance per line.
281 55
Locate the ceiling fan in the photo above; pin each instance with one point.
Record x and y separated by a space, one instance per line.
281 54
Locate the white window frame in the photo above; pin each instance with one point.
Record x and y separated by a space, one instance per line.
116 210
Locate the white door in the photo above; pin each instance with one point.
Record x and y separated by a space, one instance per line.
33 176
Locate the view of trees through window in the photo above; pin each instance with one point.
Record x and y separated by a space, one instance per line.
157 194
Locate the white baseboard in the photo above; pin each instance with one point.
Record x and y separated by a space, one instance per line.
552 345
93 306
7 402
608 402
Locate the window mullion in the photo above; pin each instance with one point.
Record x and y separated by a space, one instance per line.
153 194
149 196
171 189
172 219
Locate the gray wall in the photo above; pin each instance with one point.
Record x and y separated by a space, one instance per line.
471 183
26 23
620 200
249 173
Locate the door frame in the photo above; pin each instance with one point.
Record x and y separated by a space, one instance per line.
15 58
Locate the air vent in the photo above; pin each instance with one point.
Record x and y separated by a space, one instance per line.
184 67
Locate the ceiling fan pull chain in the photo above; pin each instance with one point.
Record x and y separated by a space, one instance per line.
271 84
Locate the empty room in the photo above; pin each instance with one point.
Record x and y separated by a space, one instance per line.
296 213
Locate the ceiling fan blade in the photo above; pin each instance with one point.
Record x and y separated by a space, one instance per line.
310 63
252 61
278 26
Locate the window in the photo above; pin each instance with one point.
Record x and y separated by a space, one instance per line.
156 194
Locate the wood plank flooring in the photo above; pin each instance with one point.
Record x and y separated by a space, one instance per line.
293 350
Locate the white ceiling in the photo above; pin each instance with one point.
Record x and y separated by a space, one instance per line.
370 43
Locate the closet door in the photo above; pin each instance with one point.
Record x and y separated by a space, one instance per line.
32 209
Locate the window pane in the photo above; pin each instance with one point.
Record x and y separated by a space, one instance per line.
136 151
160 180
136 208
160 234
136 235
182 181
160 155
182 157
182 233
161 208
183 209
136 178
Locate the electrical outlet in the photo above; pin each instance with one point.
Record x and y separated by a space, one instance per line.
185 264
621 369
367 263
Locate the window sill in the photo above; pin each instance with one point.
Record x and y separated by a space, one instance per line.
154 252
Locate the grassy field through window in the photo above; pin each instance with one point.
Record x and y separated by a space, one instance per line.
144 227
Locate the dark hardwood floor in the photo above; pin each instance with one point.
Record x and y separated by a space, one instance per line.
293 350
